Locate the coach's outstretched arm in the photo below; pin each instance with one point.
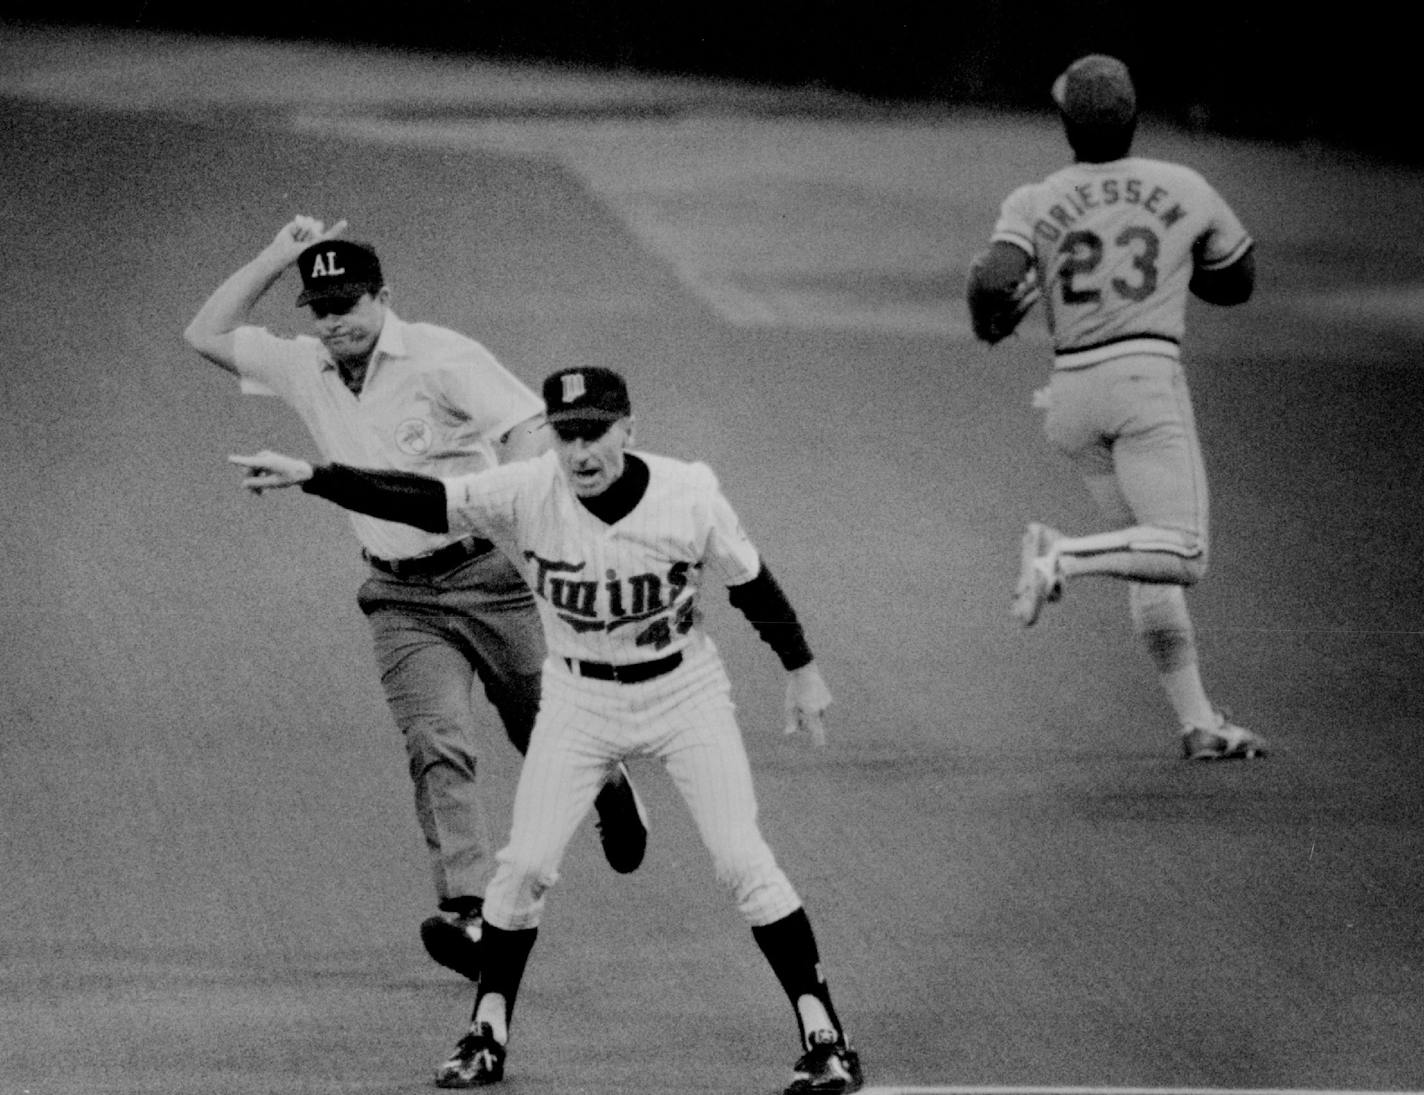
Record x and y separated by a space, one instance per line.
406 497
210 332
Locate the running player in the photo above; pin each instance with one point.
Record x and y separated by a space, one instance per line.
616 545
1113 244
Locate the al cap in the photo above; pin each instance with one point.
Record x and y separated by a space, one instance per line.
1096 90
585 394
338 268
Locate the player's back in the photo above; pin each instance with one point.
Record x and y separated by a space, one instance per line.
1115 245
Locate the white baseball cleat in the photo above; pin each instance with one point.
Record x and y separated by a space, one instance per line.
1224 741
1040 578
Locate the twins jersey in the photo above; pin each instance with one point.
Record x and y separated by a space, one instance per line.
433 402
1115 245
619 593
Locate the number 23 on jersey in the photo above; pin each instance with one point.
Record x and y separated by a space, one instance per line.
1082 253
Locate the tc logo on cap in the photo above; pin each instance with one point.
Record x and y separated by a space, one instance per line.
591 394
338 268
573 387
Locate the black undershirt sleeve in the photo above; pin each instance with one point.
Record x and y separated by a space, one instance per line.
402 496
764 604
1229 285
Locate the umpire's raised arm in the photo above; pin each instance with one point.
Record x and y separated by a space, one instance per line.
405 497
211 330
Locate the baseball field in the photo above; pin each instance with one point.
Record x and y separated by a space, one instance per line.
210 874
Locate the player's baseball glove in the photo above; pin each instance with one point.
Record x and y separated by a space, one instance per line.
996 313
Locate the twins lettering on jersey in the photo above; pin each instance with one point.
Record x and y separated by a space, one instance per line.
617 601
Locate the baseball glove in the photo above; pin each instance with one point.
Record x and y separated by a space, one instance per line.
995 312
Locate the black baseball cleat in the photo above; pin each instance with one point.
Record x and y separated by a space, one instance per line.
478 1060
622 823
454 942
828 1067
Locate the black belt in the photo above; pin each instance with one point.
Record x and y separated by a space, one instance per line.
437 562
625 674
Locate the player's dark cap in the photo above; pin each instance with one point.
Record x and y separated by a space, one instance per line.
1096 91
337 269
585 394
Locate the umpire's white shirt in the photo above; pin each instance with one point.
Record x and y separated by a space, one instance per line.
434 401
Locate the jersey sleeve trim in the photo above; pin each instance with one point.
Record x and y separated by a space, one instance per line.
1233 256
1022 242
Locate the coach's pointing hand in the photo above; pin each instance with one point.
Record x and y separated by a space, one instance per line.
270 470
807 698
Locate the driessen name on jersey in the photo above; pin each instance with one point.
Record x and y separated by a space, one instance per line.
1097 193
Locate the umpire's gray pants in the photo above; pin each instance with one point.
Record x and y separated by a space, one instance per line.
433 636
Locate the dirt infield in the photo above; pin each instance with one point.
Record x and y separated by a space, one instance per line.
210 877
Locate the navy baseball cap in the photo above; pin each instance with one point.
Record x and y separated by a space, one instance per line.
585 394
1096 91
336 269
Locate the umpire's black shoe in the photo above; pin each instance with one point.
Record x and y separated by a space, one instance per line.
454 942
828 1067
478 1060
622 823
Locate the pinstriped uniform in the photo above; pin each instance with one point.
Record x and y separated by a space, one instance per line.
624 594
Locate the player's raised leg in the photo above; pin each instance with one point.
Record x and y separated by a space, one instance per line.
1040 575
1144 553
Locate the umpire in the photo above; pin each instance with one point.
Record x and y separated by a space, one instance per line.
444 610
